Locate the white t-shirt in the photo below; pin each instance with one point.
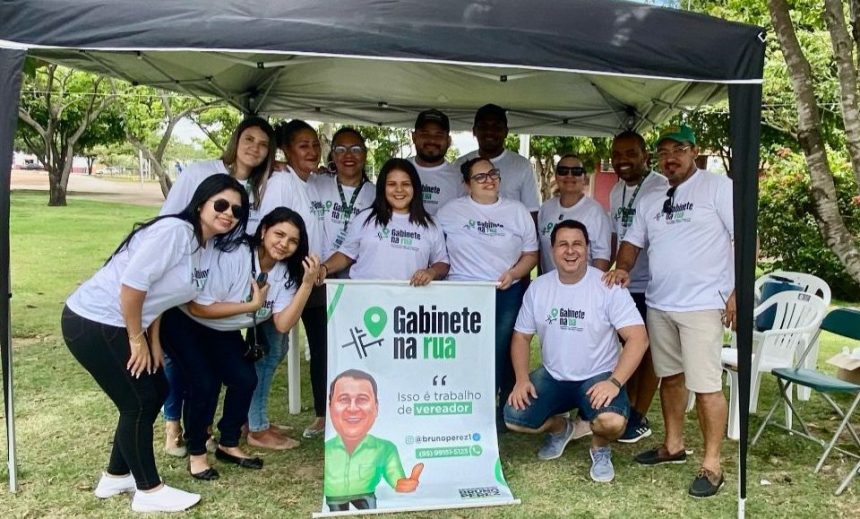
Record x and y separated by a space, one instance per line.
440 184
230 282
690 253
395 251
518 178
485 240
589 213
623 202
577 323
330 212
191 178
162 260
287 189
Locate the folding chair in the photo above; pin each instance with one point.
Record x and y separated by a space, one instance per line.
846 323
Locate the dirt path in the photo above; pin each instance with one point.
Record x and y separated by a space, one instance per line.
93 188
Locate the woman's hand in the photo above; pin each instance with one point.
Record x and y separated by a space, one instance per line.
311 264
506 280
258 294
157 354
422 277
139 361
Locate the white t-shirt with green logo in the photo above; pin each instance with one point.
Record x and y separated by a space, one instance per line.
485 240
518 177
162 260
440 184
622 218
690 249
330 211
589 213
393 252
577 323
286 189
230 282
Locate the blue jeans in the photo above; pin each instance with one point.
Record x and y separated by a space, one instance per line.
559 396
172 409
276 345
508 304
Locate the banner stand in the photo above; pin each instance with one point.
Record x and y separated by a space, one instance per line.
415 509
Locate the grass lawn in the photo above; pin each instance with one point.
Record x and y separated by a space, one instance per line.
65 423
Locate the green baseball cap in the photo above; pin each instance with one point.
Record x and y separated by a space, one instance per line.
680 133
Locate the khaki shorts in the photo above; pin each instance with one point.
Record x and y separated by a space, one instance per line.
688 343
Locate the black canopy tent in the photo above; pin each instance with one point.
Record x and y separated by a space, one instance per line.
580 67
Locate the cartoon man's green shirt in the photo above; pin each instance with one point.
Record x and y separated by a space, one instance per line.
359 473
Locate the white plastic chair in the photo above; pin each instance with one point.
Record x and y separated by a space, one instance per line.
798 316
811 285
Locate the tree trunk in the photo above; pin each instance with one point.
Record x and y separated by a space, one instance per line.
827 216
57 190
163 178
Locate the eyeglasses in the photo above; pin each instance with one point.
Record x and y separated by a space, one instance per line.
482 178
564 171
355 149
221 205
670 201
671 152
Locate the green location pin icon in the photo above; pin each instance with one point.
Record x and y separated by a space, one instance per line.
375 319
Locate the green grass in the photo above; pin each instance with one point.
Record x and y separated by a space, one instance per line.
65 423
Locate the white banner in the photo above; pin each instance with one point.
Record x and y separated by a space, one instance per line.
411 414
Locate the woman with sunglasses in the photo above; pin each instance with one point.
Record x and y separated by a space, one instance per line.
571 203
110 324
491 238
396 239
248 158
338 198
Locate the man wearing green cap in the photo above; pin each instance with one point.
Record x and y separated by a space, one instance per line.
688 232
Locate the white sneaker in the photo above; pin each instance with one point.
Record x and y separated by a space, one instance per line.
110 486
165 499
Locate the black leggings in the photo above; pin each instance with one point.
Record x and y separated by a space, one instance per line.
314 319
208 358
103 350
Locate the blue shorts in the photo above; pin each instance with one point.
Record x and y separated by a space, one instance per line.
559 396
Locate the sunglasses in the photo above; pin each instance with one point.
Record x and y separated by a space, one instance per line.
355 149
564 171
221 205
482 178
670 201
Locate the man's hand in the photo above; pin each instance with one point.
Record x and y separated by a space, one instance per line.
422 277
731 313
602 393
506 280
616 277
519 397
411 483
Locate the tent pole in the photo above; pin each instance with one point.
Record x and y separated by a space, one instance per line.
11 66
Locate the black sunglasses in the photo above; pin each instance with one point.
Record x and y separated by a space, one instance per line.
670 201
564 171
221 205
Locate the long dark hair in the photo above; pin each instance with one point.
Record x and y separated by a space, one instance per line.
210 187
380 211
260 174
294 262
342 131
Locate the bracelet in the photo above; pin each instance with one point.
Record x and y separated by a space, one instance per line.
134 338
326 269
615 381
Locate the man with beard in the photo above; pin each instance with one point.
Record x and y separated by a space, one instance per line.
630 163
518 179
688 231
440 181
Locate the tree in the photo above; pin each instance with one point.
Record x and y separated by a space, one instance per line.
63 112
151 116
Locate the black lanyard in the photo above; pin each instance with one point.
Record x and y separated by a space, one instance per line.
627 212
347 209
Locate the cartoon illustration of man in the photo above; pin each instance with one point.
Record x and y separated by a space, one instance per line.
356 461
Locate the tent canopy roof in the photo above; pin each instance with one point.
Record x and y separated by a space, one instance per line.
586 67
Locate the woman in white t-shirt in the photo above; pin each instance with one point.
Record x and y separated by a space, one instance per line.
336 200
105 322
396 239
491 238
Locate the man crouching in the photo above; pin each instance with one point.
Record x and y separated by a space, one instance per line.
576 317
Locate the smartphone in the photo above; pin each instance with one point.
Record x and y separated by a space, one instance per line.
261 279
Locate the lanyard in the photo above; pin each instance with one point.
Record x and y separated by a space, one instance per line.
347 209
635 192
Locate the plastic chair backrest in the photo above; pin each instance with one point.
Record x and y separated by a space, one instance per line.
811 284
844 322
796 323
